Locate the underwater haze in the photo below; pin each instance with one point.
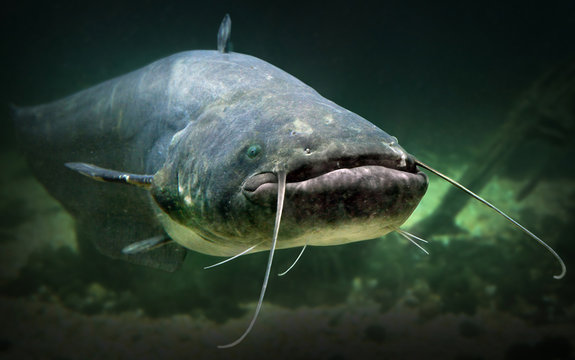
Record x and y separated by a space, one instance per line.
482 91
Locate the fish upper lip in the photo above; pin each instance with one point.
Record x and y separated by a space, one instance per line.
254 182
313 170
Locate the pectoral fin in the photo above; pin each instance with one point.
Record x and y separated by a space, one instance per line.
100 174
146 245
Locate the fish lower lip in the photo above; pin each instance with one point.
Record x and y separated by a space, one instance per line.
369 180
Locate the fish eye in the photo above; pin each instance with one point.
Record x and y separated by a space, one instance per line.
253 151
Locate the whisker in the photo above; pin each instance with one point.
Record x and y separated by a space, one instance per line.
281 175
411 238
233 257
488 204
296 260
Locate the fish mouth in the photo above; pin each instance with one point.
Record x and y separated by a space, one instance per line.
358 186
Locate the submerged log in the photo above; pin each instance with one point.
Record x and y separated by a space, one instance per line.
545 112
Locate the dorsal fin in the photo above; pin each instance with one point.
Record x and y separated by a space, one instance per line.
224 34
100 174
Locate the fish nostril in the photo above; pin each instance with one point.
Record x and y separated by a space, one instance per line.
307 151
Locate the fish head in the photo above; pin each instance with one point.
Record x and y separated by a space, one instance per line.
347 180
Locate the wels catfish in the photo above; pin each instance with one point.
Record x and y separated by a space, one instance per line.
220 149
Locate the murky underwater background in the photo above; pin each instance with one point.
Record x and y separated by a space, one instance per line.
484 92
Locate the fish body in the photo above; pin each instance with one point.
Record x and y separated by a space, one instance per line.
213 128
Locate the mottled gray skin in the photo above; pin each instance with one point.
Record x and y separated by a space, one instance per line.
190 119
